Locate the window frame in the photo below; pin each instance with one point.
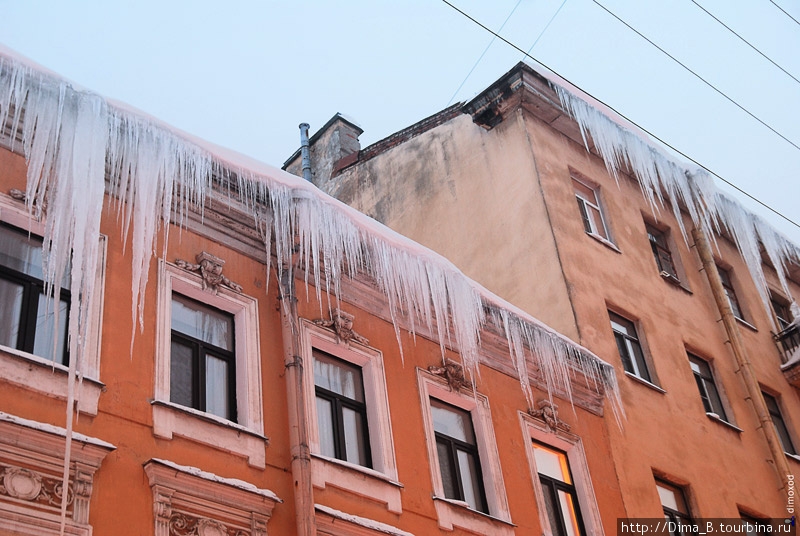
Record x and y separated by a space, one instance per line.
589 225
631 366
536 431
682 518
41 374
778 412
730 292
555 486
451 512
380 482
780 310
662 248
710 378
245 437
338 403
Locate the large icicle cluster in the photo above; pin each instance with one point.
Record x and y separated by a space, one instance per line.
621 145
80 146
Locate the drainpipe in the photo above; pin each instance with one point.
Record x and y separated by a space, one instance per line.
304 151
298 434
748 376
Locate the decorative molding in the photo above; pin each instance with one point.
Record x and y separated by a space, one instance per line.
191 502
31 487
19 195
342 324
210 269
548 412
453 374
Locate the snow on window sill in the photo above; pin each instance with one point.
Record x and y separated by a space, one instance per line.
651 385
458 513
172 419
746 324
362 481
716 418
794 457
43 376
605 242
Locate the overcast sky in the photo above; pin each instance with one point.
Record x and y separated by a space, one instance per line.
244 74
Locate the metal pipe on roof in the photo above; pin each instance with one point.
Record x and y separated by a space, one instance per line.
304 151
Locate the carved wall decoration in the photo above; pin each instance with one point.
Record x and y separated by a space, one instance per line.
21 483
452 372
19 195
210 269
548 412
186 525
342 325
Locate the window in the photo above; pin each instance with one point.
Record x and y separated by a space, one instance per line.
778 422
707 387
202 358
348 420
207 366
341 410
728 286
629 347
464 462
589 206
27 316
559 491
457 450
661 251
754 525
782 312
673 502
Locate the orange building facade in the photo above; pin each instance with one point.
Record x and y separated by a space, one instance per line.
255 399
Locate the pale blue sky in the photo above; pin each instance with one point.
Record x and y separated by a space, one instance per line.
244 74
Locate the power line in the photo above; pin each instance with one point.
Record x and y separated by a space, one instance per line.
546 26
627 118
485 50
785 12
747 42
709 84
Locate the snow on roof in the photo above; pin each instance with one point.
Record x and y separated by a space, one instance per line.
51 429
371 524
154 166
211 477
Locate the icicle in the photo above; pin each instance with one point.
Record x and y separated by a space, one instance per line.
80 146
621 144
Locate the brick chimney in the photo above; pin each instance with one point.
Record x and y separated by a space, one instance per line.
332 147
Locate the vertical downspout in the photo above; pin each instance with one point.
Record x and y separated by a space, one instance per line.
304 151
735 338
298 435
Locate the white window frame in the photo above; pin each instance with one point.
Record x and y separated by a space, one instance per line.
381 482
458 513
572 445
245 438
594 204
37 373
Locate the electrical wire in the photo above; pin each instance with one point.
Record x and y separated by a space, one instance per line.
729 183
785 12
790 75
706 82
546 26
485 50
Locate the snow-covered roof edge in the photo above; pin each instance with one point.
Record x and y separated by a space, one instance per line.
620 143
211 477
150 163
55 430
371 524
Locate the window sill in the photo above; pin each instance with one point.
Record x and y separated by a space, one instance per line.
716 418
172 419
675 282
362 481
645 382
746 324
609 244
43 376
457 513
794 457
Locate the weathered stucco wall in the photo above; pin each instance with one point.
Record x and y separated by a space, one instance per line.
473 196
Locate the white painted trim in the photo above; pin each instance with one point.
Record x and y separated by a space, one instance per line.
337 523
168 418
573 446
383 486
38 373
450 512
